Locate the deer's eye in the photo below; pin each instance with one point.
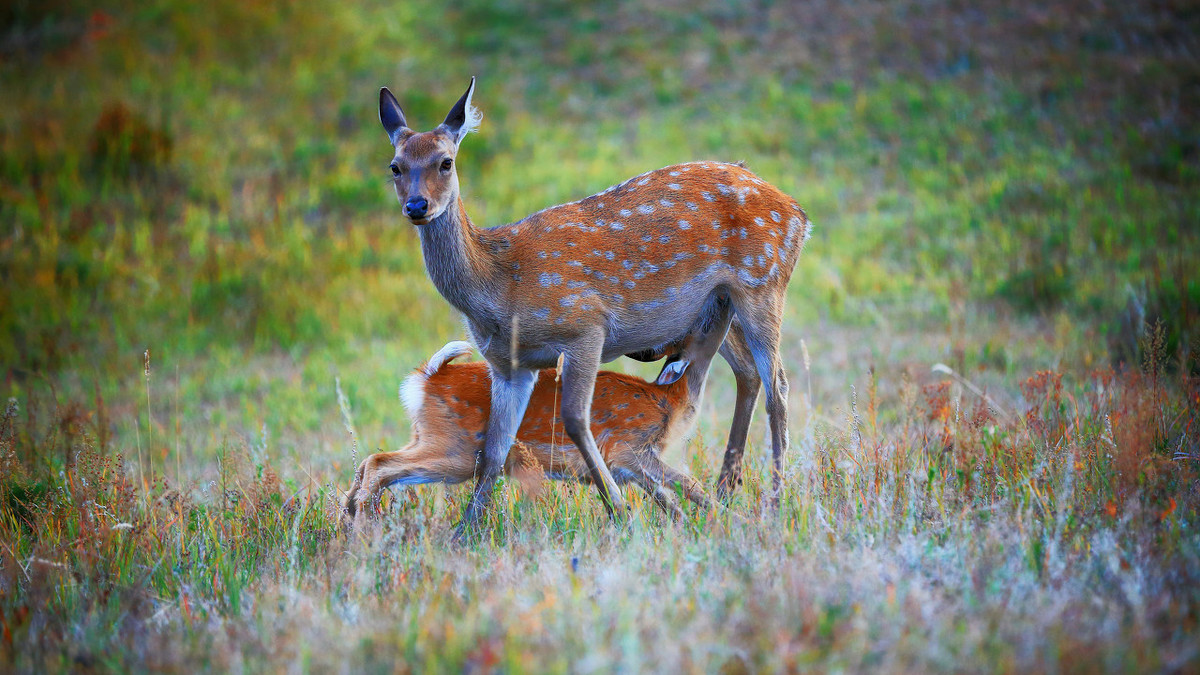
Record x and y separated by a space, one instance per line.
447 163
395 169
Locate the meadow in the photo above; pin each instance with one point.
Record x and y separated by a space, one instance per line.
209 298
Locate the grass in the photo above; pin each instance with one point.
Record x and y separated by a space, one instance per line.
1009 191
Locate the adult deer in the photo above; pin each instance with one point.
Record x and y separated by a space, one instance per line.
635 421
630 270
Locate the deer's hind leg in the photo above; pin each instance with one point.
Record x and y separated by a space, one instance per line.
737 354
761 330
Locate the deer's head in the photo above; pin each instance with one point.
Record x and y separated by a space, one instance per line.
423 166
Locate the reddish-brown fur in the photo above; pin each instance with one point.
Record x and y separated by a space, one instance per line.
632 420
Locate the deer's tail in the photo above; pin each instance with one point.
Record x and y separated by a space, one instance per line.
412 390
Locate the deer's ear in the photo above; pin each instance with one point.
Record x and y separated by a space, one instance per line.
672 371
391 115
463 118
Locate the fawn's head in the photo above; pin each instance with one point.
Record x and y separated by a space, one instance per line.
423 167
693 354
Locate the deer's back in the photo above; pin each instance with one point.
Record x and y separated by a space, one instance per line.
664 238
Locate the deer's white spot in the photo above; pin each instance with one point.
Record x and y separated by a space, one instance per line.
542 313
666 203
708 196
675 186
644 181
685 225
691 205
625 213
748 261
775 216
646 209
674 173
759 221
547 279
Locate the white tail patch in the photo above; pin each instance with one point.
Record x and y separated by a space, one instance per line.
412 390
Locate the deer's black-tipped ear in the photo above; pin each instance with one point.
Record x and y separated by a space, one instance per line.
463 117
391 115
672 371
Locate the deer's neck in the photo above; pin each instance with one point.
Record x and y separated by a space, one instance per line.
457 264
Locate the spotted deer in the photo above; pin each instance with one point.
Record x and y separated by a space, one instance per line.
631 270
633 420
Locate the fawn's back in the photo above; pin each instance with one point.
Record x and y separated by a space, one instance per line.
628 414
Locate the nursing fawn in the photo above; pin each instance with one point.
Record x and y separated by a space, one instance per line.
631 270
633 421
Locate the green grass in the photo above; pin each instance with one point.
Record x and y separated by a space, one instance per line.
1006 190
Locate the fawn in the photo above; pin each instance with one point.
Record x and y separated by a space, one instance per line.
634 421
632 270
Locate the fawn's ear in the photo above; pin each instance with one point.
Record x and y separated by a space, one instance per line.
391 115
463 118
672 371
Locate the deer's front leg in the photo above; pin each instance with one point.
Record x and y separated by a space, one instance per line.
580 364
510 396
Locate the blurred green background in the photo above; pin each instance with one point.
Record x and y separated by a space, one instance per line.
208 180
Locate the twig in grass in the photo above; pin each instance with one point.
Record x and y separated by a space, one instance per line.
347 420
149 435
947 370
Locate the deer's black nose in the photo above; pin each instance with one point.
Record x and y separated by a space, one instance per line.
415 207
